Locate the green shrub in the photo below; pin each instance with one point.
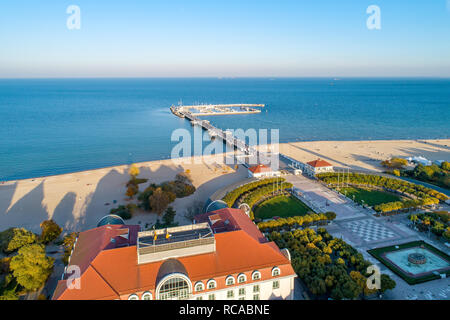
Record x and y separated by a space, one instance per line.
50 231
125 212
231 197
68 243
13 239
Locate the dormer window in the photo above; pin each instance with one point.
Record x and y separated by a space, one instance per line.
242 278
199 286
147 296
276 272
212 284
230 281
256 275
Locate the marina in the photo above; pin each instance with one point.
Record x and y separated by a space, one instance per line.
220 109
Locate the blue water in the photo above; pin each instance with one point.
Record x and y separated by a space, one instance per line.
55 126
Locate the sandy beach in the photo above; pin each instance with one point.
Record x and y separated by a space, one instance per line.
77 201
366 155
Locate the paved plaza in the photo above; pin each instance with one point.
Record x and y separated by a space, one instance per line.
322 199
369 230
358 227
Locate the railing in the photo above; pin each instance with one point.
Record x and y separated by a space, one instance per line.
176 245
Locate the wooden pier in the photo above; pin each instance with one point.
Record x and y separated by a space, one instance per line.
226 136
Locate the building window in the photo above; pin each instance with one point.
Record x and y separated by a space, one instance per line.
147 296
256 275
230 294
199 298
199 286
212 284
242 278
256 297
230 281
212 297
276 285
174 289
133 297
242 291
256 288
275 272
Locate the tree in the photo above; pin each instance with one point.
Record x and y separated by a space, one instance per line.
159 200
68 244
337 294
194 209
361 281
413 218
169 216
50 231
134 171
15 238
351 289
330 215
125 212
394 163
184 177
386 283
31 266
318 286
445 165
132 190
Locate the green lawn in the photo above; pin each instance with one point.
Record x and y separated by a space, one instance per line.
370 197
281 206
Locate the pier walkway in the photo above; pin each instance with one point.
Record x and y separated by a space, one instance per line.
226 136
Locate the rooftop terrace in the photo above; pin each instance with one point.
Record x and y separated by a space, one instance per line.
183 241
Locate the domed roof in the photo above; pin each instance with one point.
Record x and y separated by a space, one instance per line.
110 219
214 205
170 266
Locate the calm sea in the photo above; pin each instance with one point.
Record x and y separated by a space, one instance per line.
57 126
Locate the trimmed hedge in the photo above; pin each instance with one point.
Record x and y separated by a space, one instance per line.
269 226
231 197
423 195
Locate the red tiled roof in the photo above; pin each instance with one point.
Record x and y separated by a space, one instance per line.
112 273
260 168
319 163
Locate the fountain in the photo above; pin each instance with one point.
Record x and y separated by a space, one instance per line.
417 258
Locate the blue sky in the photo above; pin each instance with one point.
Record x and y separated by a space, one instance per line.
245 38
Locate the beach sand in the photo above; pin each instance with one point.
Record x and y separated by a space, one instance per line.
77 201
366 155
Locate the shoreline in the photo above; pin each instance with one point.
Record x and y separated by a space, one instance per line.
78 200
282 146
